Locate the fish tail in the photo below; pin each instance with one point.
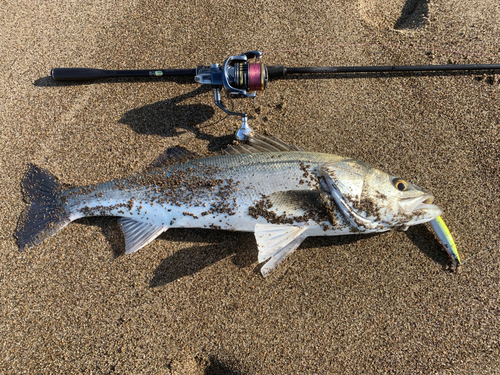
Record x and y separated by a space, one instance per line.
46 214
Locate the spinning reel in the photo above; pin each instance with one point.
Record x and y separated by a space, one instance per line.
237 76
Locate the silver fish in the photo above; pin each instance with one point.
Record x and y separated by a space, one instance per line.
281 194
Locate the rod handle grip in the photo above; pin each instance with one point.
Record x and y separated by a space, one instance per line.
79 74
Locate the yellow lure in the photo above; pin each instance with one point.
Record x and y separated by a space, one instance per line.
446 239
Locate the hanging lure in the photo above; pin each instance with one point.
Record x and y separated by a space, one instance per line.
444 236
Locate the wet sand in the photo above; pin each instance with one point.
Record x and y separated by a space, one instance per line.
193 302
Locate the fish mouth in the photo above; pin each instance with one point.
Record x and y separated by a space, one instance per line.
422 207
422 202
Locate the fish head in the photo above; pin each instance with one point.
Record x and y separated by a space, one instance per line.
373 200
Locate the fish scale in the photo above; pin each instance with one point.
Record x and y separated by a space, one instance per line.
133 198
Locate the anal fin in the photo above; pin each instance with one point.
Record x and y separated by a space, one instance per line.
138 234
276 242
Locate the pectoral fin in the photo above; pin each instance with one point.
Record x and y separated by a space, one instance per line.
138 234
276 242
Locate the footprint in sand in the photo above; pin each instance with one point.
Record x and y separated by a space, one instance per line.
395 14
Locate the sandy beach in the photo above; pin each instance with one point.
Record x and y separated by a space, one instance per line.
193 301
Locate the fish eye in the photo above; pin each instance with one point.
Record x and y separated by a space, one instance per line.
400 184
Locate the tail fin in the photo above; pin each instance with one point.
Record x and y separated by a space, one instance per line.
46 214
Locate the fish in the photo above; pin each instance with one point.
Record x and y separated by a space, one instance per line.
265 186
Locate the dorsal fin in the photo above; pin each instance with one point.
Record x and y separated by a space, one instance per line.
172 155
260 143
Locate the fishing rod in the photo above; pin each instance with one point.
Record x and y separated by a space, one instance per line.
243 75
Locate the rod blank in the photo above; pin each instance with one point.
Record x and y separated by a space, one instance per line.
390 68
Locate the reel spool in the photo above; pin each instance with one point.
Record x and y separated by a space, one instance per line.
250 76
